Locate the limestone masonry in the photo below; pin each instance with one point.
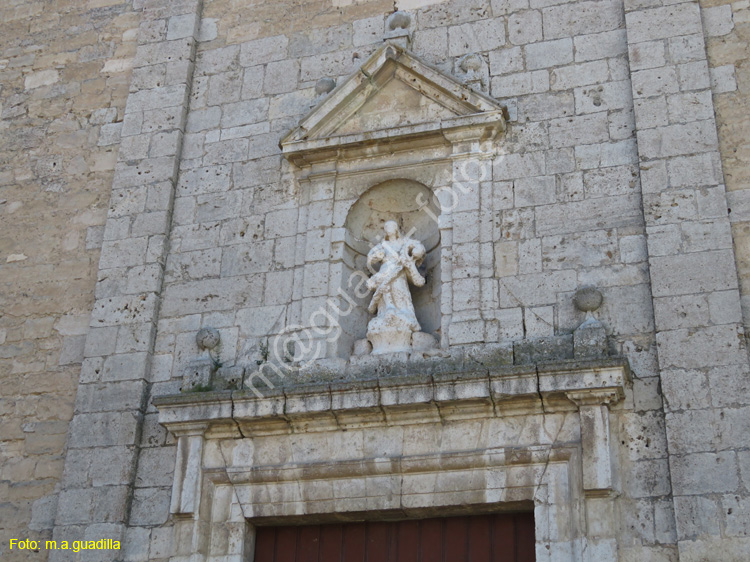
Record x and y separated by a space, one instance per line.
292 263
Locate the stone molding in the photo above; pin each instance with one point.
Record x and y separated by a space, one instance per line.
477 117
236 491
421 397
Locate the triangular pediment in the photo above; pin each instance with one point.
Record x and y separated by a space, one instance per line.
395 105
393 95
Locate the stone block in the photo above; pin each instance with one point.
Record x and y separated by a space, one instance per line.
600 45
604 97
606 154
41 78
553 348
547 54
281 77
535 289
723 79
541 107
593 248
180 27
520 84
692 431
539 321
202 119
506 61
694 171
525 27
510 323
43 512
506 259
723 307
131 174
471 331
681 312
704 473
693 273
207 30
214 61
663 22
514 166
227 378
588 214
535 191
647 478
700 347
261 51
475 37
72 350
717 20
651 112
103 429
694 76
74 507
110 396
589 340
150 506
677 140
671 207
583 129
197 376
702 236
582 18
155 467
157 98
367 31
577 75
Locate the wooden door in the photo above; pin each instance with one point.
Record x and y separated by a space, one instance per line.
477 538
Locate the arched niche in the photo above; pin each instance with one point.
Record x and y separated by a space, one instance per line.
416 209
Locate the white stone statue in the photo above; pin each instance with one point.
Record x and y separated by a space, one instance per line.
395 321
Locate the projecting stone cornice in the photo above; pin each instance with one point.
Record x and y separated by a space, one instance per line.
417 397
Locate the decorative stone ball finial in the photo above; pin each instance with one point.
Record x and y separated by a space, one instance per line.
207 338
471 62
324 86
398 20
587 299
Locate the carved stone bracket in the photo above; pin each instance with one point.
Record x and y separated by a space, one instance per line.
593 407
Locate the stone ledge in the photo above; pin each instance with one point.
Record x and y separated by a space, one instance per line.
416 397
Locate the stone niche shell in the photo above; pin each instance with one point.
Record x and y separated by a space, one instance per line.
415 208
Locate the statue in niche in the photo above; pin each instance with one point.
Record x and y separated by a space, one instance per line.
395 321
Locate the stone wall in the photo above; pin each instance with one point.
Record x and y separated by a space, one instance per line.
64 77
727 29
609 174
560 208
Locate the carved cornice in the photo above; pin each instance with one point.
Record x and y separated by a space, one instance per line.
410 399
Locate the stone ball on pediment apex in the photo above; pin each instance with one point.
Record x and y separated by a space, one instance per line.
398 20
588 299
324 86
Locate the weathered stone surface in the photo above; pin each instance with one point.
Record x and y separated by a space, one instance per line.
249 248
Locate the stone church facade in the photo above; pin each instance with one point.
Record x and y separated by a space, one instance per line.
192 193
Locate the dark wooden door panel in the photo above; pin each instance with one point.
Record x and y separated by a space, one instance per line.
331 542
479 538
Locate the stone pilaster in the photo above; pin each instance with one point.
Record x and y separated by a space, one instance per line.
702 356
100 467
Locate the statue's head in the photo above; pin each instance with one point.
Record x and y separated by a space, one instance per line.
391 230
